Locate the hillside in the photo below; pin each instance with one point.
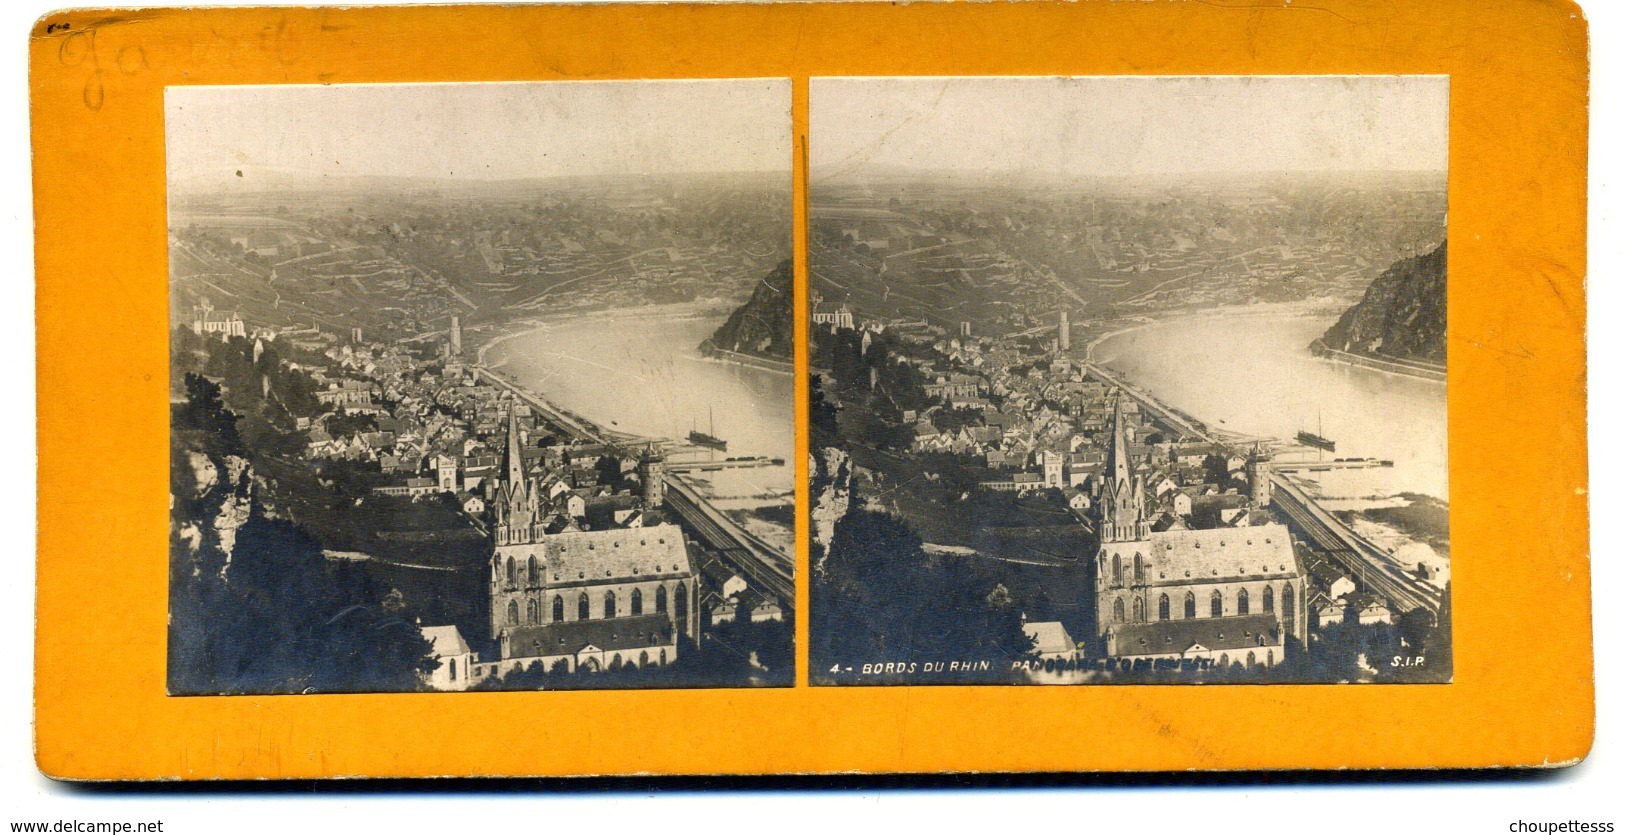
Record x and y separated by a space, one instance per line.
763 325
1402 315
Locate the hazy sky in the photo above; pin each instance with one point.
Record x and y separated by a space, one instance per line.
481 131
1128 126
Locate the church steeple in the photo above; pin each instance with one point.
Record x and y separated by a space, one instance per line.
516 507
1122 505
516 457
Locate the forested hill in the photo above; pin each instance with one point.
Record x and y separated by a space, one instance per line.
1402 315
763 325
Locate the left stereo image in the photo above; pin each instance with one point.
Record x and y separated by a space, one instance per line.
480 386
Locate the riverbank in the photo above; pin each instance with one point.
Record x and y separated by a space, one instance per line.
530 324
1307 307
709 350
1408 368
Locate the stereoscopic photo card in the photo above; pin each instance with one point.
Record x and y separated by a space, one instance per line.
445 417
794 388
1143 381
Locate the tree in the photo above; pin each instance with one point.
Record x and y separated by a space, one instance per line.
263 611
205 411
881 597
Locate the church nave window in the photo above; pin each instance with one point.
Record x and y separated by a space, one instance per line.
1190 606
637 604
535 573
1117 569
609 604
1269 600
558 609
583 607
513 613
513 574
1139 569
1289 606
1241 603
1139 610
1216 607
531 611
1117 610
1163 607
660 600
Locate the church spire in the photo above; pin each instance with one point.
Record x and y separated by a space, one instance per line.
516 455
1118 463
1122 506
516 507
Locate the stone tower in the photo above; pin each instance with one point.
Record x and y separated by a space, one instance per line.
1064 337
1259 471
652 472
1052 462
456 337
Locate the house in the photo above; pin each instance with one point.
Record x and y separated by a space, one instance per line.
1016 483
768 610
412 487
1326 611
1375 612
1334 583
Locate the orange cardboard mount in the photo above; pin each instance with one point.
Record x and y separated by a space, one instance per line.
1517 179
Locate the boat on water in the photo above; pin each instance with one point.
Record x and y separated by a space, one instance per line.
707 439
1308 438
1315 438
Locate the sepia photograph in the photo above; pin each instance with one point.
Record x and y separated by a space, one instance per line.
480 386
1129 380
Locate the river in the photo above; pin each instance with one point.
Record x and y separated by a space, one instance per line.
643 374
1251 371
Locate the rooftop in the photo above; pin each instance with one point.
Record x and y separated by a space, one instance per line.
1177 636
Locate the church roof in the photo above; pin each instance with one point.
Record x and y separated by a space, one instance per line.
447 640
1049 636
573 636
1256 553
1239 632
609 555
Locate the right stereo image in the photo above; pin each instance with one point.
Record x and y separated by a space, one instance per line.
1128 380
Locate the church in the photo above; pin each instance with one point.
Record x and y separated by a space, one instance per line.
579 599
1233 595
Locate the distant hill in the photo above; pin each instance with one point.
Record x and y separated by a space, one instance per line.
1402 316
763 325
